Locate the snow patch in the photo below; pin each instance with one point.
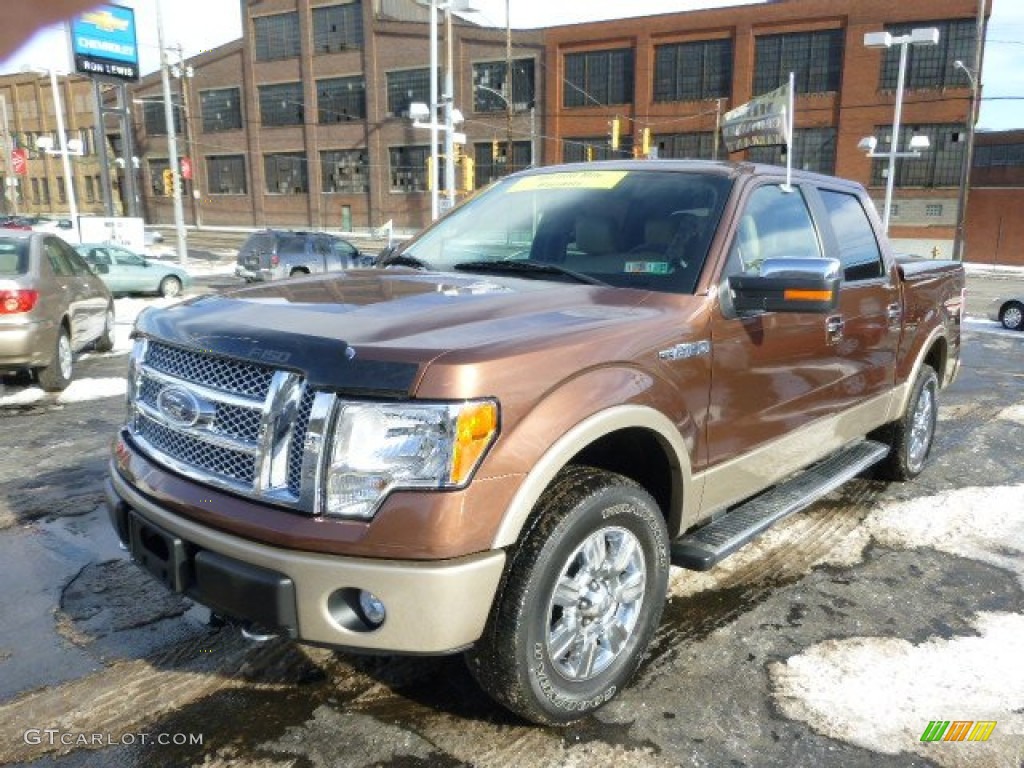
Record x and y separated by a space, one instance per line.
1013 413
78 391
23 397
881 693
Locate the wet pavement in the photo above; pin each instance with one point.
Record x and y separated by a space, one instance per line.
103 658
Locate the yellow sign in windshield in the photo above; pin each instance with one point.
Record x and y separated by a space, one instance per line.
571 180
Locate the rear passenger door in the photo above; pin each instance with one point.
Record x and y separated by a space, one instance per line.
870 309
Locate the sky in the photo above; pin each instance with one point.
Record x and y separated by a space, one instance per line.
203 24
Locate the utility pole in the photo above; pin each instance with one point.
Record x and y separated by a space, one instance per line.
172 139
449 106
974 77
435 203
8 150
185 72
508 87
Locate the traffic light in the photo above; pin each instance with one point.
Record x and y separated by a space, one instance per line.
590 154
168 177
494 151
430 174
645 142
468 173
615 133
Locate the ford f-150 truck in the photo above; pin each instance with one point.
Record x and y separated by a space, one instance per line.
499 440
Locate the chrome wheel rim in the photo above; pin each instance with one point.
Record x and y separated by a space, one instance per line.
595 606
171 287
1012 317
64 360
921 428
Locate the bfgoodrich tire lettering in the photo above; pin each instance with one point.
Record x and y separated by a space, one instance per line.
582 596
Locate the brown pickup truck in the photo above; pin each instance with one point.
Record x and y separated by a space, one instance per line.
499 440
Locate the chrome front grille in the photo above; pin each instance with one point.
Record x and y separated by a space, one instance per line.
236 425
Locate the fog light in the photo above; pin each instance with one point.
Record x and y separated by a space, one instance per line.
372 608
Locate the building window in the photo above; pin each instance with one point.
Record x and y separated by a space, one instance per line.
62 195
588 149
338 27
939 166
157 166
276 37
286 173
815 58
999 156
36 200
491 161
693 71
598 78
409 168
931 66
933 210
225 175
222 110
699 146
281 104
814 149
345 171
90 190
491 76
154 118
894 210
341 99
406 86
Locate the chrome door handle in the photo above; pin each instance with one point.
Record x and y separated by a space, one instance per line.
834 329
895 313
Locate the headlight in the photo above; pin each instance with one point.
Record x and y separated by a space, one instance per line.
138 354
379 447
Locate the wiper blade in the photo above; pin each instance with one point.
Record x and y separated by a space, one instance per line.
526 267
402 260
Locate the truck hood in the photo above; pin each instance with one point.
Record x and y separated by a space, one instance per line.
374 331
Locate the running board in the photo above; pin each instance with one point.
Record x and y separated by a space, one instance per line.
705 547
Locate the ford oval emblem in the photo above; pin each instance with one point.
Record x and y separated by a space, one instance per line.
179 406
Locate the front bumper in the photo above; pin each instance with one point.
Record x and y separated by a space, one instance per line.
433 607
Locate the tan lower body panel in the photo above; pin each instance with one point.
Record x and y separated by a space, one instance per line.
751 473
432 606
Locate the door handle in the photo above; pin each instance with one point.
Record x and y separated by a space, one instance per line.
895 313
834 329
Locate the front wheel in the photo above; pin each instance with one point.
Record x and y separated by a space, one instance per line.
910 439
582 597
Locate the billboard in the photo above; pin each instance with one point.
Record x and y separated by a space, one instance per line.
103 43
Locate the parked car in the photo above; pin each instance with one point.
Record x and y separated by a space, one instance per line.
52 305
129 272
272 254
1008 311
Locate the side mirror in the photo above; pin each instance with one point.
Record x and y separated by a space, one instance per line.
789 285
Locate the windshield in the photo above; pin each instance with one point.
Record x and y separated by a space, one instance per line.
13 257
636 229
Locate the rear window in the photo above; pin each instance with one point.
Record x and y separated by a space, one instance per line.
13 257
261 243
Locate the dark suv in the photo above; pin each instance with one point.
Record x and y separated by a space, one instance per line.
272 254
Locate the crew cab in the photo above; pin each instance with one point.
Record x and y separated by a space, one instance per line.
498 441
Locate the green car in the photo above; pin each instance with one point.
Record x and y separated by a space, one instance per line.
128 272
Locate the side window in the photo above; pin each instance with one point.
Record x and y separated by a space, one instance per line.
58 258
858 247
774 225
341 248
78 265
128 258
99 256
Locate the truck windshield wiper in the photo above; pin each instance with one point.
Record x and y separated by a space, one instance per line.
402 260
526 267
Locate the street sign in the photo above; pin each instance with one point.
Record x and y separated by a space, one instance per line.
19 161
186 168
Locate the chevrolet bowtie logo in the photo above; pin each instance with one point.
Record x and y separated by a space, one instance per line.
105 20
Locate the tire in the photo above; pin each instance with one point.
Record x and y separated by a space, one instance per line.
1012 316
57 375
910 439
105 342
298 272
170 287
553 655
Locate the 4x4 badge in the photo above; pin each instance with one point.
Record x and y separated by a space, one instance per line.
684 351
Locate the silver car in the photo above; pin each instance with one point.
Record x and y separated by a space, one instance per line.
52 305
1008 311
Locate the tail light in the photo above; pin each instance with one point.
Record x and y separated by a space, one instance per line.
274 260
17 301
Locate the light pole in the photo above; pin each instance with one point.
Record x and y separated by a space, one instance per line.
172 140
533 130
65 154
965 174
921 36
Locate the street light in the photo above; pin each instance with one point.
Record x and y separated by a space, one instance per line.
965 173
65 152
920 36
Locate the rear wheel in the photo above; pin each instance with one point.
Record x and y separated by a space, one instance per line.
298 272
1012 316
910 439
57 375
582 597
170 287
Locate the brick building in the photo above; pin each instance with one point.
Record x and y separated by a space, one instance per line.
995 228
31 116
304 120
